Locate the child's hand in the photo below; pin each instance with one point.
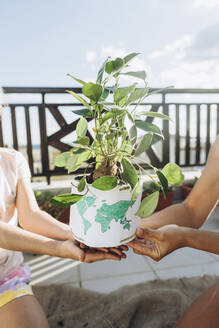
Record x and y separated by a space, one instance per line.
71 249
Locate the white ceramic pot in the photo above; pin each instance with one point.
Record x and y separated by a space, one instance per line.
105 218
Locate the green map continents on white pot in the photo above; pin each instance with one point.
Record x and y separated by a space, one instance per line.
105 218
106 202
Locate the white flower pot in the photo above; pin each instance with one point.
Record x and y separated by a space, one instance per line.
105 218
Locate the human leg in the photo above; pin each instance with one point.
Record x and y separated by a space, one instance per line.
23 312
203 312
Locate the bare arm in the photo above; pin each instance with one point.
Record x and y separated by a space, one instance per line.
197 206
163 241
31 218
16 239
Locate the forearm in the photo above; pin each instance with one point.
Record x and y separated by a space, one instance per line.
201 239
178 214
16 239
44 224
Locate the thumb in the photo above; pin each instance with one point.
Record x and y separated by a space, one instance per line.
146 233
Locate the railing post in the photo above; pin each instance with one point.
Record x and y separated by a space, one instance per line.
43 140
29 139
166 142
14 127
208 144
1 134
187 135
198 144
177 143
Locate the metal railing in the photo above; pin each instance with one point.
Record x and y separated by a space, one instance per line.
187 142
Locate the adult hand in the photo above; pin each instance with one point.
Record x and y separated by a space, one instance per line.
158 243
118 250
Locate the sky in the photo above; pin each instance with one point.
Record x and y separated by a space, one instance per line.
41 41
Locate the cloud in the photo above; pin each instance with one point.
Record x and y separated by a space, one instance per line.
91 56
206 3
192 75
205 45
194 60
177 48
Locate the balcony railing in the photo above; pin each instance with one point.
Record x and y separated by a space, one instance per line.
40 123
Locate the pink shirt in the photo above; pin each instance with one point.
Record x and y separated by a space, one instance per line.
13 167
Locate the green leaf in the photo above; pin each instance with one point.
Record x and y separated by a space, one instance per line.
99 160
148 205
114 66
138 74
121 94
65 200
84 141
92 91
129 57
108 116
79 98
136 95
133 134
155 114
156 138
163 181
105 183
129 173
83 112
130 117
105 94
136 190
144 144
101 71
81 185
72 163
76 159
61 159
76 79
173 174
81 128
149 127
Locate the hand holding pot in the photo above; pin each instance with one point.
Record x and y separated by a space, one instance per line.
71 249
158 243
111 251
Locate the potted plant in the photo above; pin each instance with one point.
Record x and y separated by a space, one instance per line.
187 187
106 203
164 200
43 199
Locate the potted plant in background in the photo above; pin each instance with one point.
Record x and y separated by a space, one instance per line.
163 201
43 199
187 187
106 203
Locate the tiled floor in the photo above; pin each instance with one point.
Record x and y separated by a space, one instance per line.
107 276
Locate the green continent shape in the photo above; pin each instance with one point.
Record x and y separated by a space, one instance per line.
83 205
106 213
